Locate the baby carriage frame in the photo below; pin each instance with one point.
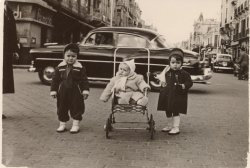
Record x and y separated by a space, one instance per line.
129 108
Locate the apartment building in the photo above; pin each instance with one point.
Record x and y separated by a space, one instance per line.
234 25
64 21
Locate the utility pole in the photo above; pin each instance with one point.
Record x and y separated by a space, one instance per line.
111 12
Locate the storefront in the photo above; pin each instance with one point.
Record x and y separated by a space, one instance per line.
34 25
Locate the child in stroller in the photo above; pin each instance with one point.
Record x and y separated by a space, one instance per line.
127 86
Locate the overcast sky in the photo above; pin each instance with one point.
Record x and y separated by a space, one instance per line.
175 18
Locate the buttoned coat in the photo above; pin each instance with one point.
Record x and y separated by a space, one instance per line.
173 98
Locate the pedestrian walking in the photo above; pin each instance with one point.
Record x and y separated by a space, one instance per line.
70 86
10 50
244 64
173 96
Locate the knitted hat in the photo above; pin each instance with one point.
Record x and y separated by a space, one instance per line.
72 47
131 64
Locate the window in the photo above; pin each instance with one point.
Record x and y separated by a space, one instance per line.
127 40
103 39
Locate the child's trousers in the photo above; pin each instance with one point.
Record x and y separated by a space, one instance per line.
70 99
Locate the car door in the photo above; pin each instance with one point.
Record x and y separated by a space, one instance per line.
96 53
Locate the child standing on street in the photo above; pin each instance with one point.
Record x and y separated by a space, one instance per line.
174 93
70 86
127 86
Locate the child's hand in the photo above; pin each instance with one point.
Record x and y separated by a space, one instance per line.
181 85
85 96
163 84
53 94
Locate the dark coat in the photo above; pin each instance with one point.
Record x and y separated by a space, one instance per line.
9 47
173 98
70 85
79 77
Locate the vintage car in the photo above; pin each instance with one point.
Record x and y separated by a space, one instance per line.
223 62
98 48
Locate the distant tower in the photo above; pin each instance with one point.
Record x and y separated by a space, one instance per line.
200 19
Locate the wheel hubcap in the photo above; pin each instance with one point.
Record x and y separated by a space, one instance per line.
48 73
154 81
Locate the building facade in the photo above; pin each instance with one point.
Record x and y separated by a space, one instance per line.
206 34
234 26
64 21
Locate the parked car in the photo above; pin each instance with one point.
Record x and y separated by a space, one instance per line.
223 62
97 54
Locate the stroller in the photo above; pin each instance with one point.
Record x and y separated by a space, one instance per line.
129 108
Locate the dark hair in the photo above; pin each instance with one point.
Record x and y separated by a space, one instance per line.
177 57
72 47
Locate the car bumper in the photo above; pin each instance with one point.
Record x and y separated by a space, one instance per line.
31 69
223 68
202 78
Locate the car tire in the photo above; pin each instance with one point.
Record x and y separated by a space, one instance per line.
46 74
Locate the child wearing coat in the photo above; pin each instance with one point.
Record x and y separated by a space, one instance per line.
127 86
70 86
174 93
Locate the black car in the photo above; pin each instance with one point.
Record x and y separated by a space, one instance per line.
98 48
223 62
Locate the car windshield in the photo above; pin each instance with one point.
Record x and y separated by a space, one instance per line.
224 58
160 42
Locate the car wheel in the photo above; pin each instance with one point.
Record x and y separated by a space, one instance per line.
154 82
46 74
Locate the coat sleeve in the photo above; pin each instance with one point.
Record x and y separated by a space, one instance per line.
55 81
12 28
142 84
106 94
188 81
84 82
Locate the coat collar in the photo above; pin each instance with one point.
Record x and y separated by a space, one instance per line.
76 64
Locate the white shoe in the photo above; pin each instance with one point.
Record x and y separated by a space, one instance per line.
62 127
75 127
174 131
166 129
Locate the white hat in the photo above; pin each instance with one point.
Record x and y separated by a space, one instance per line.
131 64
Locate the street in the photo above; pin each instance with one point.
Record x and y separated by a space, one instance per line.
214 133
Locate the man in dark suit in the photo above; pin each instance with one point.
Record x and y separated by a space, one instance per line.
10 49
244 63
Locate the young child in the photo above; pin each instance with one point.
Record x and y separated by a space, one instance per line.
70 86
127 86
174 94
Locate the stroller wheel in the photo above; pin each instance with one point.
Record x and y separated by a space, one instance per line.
108 128
151 127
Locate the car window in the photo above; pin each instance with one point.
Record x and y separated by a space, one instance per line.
224 58
160 42
102 38
127 40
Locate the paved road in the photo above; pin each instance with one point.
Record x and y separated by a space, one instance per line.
213 134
